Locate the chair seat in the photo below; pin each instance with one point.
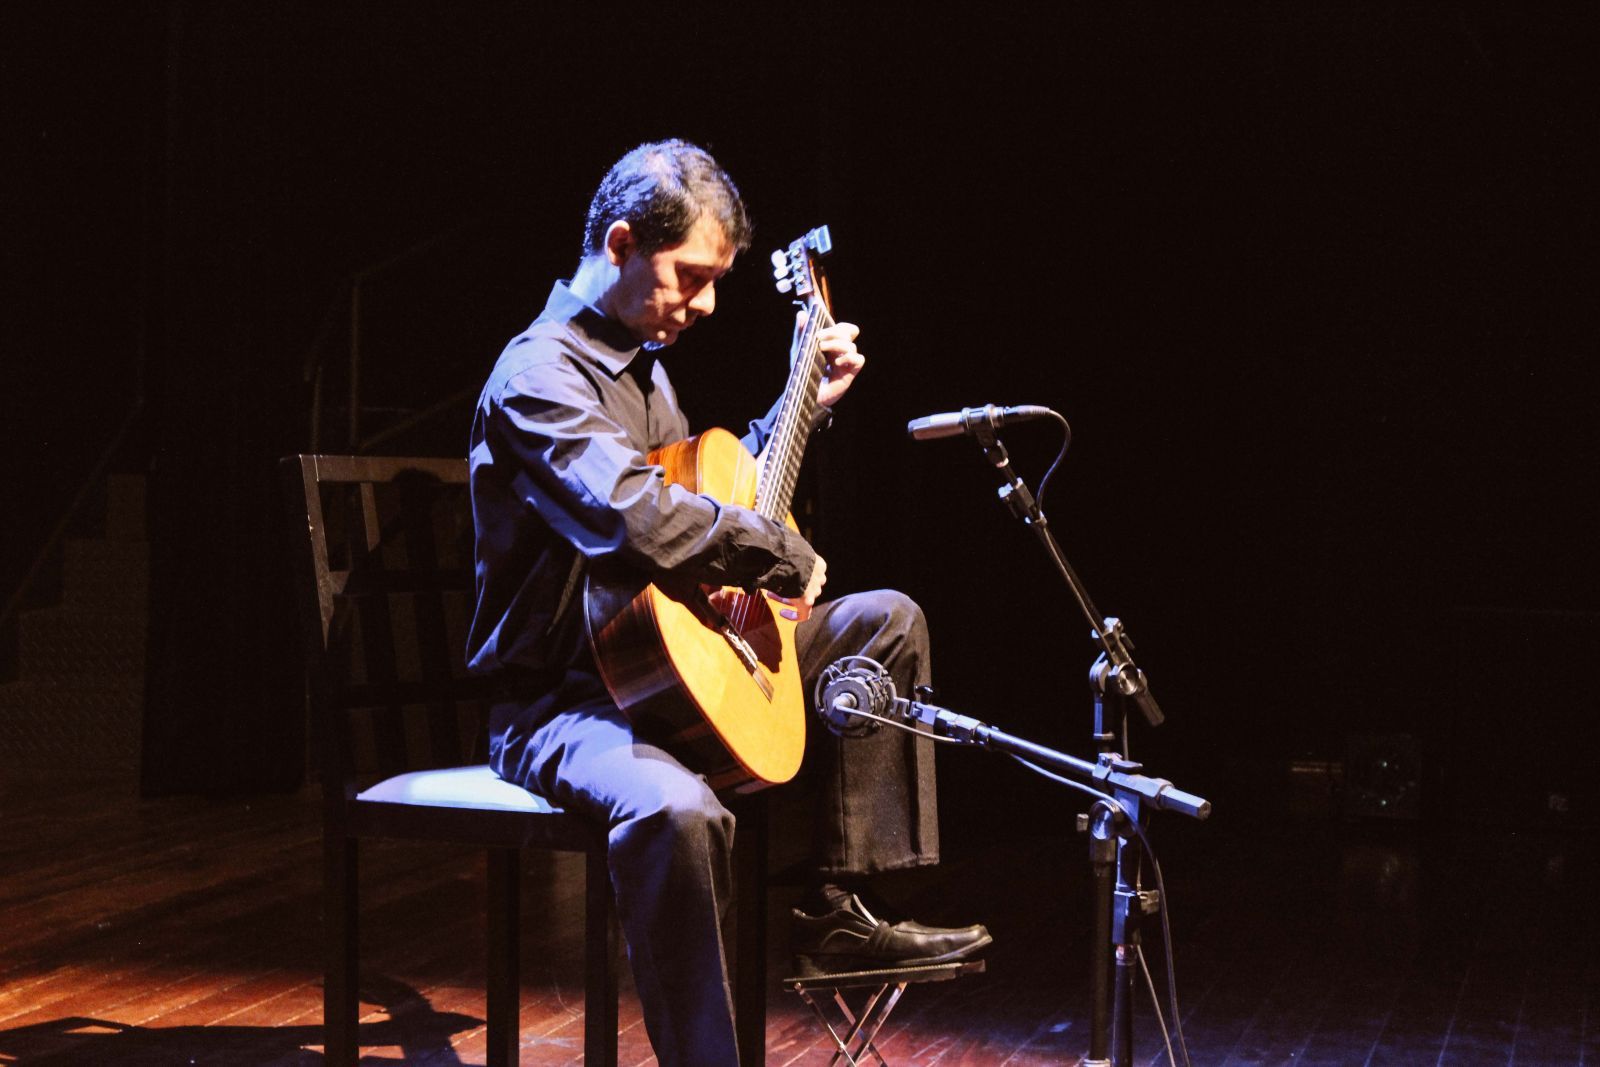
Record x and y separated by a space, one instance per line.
476 787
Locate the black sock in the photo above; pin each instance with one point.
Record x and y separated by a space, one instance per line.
825 897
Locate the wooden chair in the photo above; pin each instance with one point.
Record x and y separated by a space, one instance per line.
384 548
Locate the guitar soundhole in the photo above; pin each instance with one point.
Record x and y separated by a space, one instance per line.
753 617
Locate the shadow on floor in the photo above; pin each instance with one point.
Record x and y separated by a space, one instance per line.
421 1033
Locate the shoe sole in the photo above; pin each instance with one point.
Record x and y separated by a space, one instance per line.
809 967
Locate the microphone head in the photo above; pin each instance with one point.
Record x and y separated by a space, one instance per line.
932 427
848 687
973 421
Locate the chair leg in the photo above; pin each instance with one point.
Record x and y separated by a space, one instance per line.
341 995
750 931
505 956
600 950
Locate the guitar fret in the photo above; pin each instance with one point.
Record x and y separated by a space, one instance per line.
779 473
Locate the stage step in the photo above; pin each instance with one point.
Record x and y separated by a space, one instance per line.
106 573
76 704
72 726
85 643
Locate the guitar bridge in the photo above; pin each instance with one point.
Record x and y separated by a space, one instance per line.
747 656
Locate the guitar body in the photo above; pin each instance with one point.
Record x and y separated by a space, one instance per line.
679 678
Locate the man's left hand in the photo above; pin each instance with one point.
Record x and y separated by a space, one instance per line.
838 345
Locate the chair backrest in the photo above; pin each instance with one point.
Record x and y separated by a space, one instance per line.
384 551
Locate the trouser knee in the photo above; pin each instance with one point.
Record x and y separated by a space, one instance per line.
684 815
893 611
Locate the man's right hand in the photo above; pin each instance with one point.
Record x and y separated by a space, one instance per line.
799 610
819 577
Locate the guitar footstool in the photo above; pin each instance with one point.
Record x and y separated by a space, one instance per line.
861 1024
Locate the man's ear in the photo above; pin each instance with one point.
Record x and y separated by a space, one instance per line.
620 243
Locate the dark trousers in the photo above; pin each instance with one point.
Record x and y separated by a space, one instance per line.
671 838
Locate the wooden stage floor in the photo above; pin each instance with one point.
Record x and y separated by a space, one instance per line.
185 931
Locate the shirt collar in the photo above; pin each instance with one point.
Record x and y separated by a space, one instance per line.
610 344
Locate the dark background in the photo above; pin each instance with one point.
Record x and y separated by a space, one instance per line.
1313 284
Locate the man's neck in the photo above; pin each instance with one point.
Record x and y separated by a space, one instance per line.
592 284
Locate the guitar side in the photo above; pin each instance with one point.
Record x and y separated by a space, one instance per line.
679 680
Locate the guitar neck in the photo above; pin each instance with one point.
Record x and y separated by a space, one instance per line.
780 460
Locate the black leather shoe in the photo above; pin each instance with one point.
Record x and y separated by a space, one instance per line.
853 939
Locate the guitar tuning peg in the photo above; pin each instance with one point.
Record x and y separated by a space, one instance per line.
780 262
784 285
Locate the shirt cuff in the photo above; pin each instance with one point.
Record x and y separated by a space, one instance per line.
792 570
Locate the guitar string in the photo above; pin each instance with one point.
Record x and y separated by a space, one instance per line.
807 404
784 454
775 464
783 460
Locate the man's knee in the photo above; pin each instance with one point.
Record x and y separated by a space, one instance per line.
888 611
896 635
902 612
681 806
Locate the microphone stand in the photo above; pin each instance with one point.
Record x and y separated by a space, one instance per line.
1110 821
1118 901
1115 670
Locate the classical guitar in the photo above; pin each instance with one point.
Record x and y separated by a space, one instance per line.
710 674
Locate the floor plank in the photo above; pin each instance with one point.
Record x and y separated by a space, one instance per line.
185 930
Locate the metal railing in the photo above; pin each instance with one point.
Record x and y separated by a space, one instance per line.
349 299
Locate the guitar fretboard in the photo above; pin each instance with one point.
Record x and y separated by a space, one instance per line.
780 460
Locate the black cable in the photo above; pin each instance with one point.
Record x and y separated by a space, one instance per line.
1066 443
1155 1002
897 724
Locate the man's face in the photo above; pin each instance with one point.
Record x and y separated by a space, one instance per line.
658 296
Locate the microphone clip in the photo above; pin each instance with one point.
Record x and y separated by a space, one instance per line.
852 695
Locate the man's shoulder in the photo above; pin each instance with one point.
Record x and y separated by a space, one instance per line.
545 340
545 354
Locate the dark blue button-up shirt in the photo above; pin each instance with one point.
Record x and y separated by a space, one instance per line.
560 480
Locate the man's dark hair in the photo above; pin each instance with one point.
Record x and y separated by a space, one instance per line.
660 190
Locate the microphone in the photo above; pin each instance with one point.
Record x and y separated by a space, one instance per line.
850 686
856 687
968 421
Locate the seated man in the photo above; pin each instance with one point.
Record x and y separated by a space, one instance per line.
560 482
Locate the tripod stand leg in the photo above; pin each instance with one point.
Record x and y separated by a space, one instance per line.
1125 916
1102 857
1118 904
1122 1006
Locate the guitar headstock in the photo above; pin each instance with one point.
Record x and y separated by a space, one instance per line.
798 268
